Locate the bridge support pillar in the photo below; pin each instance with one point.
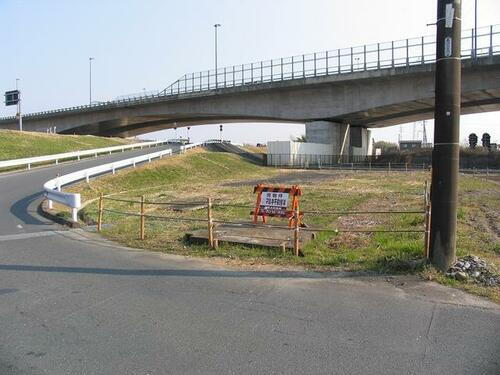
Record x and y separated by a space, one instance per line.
356 140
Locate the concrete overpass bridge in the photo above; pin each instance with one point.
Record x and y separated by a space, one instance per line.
368 86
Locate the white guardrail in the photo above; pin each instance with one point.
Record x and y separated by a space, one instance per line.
53 188
75 155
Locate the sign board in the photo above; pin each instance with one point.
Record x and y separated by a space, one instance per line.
12 97
274 203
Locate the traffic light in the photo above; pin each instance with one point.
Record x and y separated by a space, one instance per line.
472 140
486 141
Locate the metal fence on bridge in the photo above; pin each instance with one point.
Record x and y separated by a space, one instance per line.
399 53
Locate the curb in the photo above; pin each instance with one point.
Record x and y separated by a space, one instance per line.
49 214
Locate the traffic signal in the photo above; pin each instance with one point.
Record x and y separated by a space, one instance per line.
486 141
472 140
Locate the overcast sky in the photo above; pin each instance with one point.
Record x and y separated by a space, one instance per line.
148 44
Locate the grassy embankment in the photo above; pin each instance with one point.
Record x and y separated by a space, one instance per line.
15 145
230 179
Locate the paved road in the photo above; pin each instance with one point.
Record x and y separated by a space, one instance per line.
72 304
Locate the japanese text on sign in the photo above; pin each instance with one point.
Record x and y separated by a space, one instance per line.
274 202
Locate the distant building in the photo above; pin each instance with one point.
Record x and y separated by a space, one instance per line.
410 145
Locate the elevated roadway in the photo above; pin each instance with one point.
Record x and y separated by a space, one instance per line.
390 83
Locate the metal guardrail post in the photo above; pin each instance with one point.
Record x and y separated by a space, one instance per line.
422 60
392 53
378 55
338 61
491 40
326 63
472 47
304 66
364 57
315 64
352 64
407 53
282 68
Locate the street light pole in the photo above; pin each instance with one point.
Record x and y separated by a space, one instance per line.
216 26
90 80
19 113
475 29
445 155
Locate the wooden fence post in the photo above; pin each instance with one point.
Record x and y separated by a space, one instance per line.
427 229
296 243
142 217
101 208
210 223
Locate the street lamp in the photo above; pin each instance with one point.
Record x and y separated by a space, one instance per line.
475 29
90 80
19 114
216 26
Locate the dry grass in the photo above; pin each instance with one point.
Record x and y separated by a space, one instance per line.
230 179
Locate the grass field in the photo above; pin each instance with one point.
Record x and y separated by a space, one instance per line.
229 179
15 145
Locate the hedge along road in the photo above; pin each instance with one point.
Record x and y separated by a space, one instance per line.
73 304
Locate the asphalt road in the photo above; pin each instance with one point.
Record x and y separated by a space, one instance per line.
71 303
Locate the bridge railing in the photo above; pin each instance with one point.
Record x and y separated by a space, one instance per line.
398 53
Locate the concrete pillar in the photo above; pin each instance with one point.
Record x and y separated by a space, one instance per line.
326 132
333 133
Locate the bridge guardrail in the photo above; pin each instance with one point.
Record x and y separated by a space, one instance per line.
74 155
397 53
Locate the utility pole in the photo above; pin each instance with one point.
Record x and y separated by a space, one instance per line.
90 80
444 194
216 26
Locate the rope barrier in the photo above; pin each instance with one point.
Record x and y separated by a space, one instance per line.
250 207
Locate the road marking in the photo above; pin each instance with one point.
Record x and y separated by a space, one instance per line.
13 237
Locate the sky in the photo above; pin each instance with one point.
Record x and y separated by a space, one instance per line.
148 44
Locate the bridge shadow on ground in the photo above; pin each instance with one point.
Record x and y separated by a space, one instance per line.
178 272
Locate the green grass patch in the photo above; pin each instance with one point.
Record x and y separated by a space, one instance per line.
16 145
